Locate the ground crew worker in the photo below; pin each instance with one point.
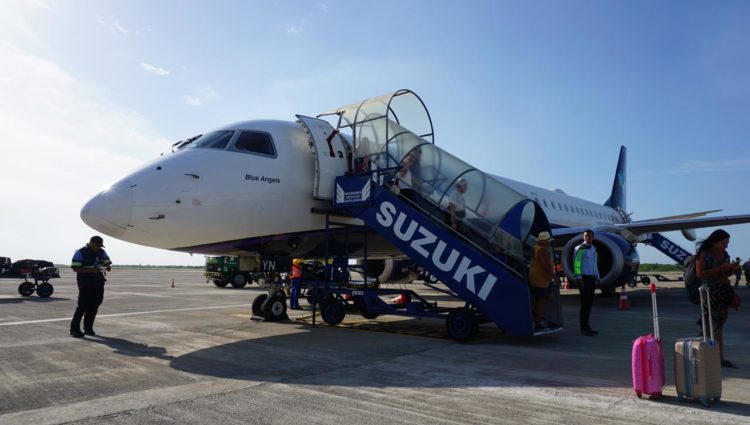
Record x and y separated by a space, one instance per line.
296 282
87 263
587 274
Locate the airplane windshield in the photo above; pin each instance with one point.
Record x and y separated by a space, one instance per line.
213 140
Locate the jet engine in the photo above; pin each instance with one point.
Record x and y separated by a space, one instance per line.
689 234
390 270
618 260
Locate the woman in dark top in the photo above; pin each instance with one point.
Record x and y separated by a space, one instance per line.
713 267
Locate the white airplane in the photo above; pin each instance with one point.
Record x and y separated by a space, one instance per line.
253 189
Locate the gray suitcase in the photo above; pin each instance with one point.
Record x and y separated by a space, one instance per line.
698 363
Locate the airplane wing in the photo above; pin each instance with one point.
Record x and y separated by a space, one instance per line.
651 226
681 216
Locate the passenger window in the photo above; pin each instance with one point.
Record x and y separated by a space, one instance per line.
553 205
545 202
566 207
255 142
213 140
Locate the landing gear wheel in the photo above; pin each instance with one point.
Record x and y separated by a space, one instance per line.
239 281
44 290
274 309
221 283
369 315
430 278
26 289
258 303
361 305
645 280
461 324
332 311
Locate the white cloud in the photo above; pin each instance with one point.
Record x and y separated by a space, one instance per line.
689 167
119 28
200 96
154 69
60 146
41 4
294 29
193 101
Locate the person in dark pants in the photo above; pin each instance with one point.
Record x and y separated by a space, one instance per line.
586 274
295 279
87 263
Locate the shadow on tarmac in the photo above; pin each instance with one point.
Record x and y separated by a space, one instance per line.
338 356
31 299
130 348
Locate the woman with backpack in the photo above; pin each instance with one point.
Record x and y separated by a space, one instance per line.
713 267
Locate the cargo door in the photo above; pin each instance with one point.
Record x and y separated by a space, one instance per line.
331 153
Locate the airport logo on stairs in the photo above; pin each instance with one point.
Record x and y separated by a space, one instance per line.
353 192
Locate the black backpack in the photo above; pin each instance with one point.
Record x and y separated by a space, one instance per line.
692 283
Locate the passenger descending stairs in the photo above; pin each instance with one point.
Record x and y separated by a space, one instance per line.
492 288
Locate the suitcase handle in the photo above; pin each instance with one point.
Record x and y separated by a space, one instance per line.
704 288
655 310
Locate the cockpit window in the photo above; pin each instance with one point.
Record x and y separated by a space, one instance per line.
213 140
255 142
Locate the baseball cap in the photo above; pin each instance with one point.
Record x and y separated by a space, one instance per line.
97 240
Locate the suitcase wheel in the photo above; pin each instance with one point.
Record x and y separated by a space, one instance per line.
682 398
706 402
638 394
655 396
717 399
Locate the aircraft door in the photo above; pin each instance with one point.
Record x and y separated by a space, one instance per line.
331 152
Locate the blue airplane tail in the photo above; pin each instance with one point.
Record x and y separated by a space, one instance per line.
617 198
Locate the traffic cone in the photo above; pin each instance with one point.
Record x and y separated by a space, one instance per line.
172 283
624 303
400 299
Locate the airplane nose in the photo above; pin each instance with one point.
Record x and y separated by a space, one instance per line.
110 211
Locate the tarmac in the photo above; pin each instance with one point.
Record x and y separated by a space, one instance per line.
193 355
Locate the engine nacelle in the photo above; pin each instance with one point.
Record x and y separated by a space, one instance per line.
618 260
689 234
390 270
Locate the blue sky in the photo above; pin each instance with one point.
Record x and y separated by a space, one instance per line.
542 92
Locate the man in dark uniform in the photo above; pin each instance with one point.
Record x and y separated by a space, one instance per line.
586 271
87 263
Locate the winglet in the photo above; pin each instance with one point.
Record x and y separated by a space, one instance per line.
617 198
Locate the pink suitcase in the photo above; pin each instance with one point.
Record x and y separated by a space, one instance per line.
648 359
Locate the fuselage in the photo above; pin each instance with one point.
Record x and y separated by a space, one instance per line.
248 187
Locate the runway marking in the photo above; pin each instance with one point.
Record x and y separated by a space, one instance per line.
133 313
140 294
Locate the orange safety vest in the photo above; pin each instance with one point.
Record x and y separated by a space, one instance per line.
296 271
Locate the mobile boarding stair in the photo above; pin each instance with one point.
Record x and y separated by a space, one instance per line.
669 248
483 263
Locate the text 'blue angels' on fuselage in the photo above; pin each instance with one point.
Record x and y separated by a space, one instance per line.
249 189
